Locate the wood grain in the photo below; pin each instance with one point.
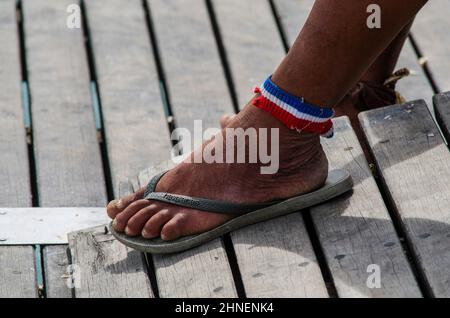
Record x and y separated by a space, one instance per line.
106 268
14 171
17 276
276 259
253 45
415 167
356 230
442 109
68 163
119 271
136 130
55 267
17 272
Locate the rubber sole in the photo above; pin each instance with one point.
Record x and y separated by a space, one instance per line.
337 183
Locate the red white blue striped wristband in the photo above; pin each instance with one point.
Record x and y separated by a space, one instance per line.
293 111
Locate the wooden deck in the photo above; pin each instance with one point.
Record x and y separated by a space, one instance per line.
77 106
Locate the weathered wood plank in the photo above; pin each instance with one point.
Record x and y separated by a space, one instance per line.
14 174
293 15
276 259
106 268
56 271
133 115
186 42
200 272
251 59
17 272
17 277
415 167
271 265
430 31
68 163
442 109
356 230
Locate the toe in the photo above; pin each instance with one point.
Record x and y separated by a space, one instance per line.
153 226
117 206
136 223
122 218
174 228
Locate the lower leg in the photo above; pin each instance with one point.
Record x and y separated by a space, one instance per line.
332 53
335 49
385 63
372 90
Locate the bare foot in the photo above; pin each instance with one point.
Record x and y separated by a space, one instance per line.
303 168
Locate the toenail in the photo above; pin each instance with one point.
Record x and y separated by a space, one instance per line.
115 223
127 231
145 234
119 203
163 237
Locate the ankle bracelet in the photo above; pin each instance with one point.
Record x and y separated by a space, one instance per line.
293 111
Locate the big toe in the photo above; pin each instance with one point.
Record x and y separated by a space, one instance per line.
117 206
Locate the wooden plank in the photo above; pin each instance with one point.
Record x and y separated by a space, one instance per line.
133 115
243 25
415 167
17 277
430 33
17 274
293 15
106 268
14 171
271 265
186 42
200 272
56 271
276 259
68 163
356 230
442 109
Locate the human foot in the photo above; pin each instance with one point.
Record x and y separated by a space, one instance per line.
303 168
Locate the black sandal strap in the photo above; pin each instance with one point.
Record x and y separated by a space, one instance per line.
199 203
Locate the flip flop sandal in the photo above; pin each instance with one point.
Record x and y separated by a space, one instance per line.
337 183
